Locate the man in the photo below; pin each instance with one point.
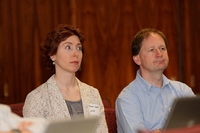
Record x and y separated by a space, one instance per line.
145 103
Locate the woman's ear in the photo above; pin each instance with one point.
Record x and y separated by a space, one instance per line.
136 59
53 57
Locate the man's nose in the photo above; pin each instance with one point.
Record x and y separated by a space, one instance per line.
158 52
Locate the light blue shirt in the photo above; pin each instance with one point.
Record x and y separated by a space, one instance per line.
143 106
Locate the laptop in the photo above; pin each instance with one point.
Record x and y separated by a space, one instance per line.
185 112
83 125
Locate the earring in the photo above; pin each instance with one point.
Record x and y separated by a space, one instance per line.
53 63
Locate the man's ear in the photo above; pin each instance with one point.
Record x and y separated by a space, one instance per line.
136 59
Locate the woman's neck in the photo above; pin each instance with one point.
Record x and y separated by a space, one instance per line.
65 81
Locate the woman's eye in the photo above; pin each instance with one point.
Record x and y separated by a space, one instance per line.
80 48
68 47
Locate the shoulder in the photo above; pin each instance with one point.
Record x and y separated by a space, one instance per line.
87 87
137 86
181 88
132 88
131 93
89 92
178 84
43 88
39 90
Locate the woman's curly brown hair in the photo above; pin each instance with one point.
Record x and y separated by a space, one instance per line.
54 38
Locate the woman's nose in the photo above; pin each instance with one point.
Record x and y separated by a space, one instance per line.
75 52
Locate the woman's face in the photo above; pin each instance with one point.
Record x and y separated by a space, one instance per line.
69 55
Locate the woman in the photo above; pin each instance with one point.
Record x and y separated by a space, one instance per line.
63 96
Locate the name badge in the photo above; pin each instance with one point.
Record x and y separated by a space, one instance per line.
94 109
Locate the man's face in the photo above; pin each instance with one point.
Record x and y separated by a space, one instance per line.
153 54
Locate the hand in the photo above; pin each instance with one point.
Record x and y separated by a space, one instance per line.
23 125
156 131
23 131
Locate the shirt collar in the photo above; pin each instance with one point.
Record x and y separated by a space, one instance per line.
146 84
165 80
143 82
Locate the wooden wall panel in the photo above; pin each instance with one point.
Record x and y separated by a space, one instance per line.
15 48
24 25
190 28
109 26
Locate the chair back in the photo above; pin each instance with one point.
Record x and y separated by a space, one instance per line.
17 108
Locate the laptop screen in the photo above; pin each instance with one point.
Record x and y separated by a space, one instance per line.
86 125
185 112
